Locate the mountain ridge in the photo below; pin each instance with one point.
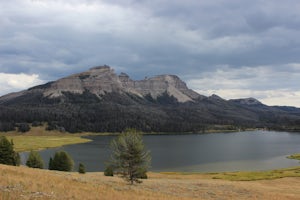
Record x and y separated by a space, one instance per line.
102 79
99 100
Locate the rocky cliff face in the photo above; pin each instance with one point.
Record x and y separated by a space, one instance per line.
158 85
98 80
102 80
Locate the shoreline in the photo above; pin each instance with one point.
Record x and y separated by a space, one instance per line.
211 131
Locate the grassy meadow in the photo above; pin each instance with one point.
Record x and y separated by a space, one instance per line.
38 138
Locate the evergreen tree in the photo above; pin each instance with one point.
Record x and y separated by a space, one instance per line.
81 168
17 159
7 154
129 157
50 165
23 127
62 161
34 160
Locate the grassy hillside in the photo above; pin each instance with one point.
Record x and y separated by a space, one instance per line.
25 183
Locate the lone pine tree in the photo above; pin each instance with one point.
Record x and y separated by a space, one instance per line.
129 157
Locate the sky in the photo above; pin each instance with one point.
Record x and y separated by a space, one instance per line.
232 48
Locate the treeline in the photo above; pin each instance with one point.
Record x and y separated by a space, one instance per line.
107 118
116 112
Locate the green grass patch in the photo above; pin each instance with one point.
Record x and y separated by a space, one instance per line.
243 175
27 143
259 175
38 138
295 156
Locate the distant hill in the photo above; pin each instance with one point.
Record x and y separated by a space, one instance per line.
100 100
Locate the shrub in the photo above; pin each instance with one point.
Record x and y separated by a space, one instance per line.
81 168
142 174
109 171
34 160
23 127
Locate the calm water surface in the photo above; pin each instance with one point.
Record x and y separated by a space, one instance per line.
253 150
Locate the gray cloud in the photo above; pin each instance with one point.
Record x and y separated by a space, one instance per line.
189 38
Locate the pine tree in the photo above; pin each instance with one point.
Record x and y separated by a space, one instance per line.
34 160
129 157
7 154
50 165
23 127
109 171
61 161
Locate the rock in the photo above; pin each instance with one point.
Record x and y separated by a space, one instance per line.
102 79
98 80
158 85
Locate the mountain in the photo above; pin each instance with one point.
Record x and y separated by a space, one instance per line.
102 80
101 100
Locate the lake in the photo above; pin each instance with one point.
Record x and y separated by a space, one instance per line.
250 150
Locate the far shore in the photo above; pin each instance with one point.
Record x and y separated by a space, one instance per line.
39 138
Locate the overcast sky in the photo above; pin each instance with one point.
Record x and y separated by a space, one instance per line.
232 48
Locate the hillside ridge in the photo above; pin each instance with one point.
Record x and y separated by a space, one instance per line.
99 100
102 79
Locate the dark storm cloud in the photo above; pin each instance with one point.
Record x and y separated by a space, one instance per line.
193 39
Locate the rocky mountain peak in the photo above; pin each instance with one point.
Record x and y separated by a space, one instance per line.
98 80
100 70
101 80
216 97
159 85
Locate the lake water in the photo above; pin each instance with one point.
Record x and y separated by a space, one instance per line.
253 150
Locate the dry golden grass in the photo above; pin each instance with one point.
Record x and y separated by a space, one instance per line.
25 183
